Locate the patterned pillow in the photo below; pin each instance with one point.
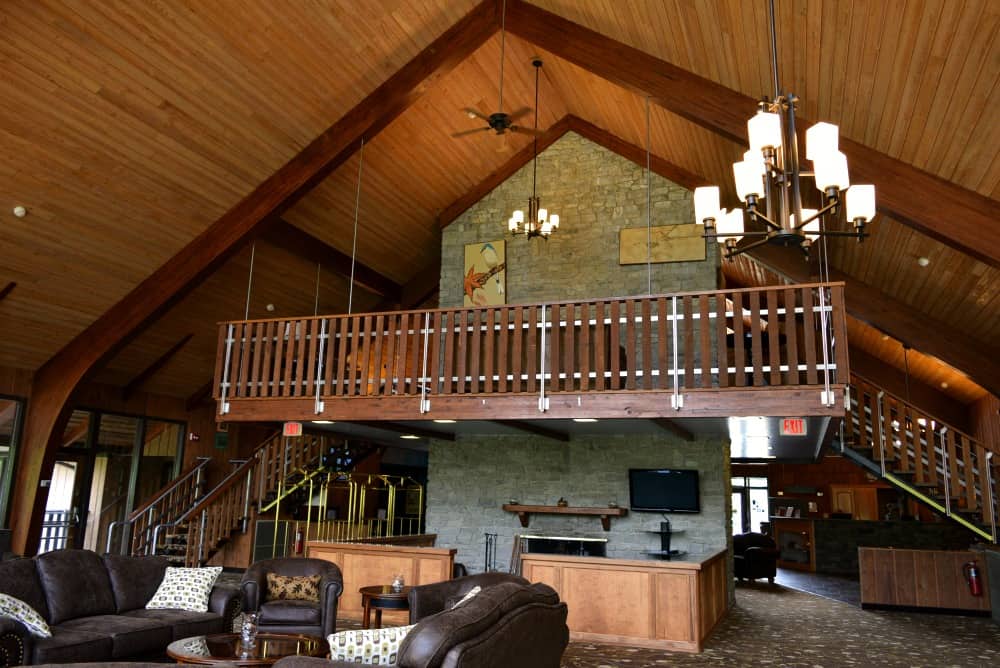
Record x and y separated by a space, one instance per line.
287 588
185 589
468 597
17 609
377 647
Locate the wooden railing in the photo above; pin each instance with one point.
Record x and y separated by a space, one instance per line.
904 438
163 507
680 343
229 507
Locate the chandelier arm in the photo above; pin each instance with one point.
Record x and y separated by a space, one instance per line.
819 214
764 219
730 254
843 233
745 234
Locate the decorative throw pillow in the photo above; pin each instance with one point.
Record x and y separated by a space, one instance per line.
185 589
468 597
288 588
376 647
17 609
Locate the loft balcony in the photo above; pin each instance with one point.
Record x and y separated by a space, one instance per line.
774 351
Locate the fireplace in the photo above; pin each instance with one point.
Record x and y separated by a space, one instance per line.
581 546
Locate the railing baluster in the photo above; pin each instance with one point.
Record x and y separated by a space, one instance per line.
461 325
585 349
291 341
647 344
756 350
532 333
378 346
307 373
970 478
600 346
474 348
631 345
689 341
392 326
517 339
503 350
489 346
449 351
401 352
705 328
773 336
554 366
809 335
569 360
366 357
739 342
614 347
438 369
722 339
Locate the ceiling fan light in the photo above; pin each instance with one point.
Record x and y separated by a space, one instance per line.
831 172
822 141
861 202
748 179
706 203
764 131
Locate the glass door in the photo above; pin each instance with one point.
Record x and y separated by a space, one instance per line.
751 506
10 415
113 483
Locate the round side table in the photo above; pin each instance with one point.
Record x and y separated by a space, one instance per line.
382 597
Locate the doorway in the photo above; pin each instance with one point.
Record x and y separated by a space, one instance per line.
108 466
750 504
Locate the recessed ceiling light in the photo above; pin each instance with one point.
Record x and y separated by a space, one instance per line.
322 421
885 337
923 261
445 421
269 307
410 437
584 419
20 211
944 385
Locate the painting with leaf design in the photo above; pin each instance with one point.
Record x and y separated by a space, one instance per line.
485 275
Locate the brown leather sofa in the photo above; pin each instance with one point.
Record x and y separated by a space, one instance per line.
508 624
95 607
293 616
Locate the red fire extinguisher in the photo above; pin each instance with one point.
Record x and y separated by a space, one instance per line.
971 571
298 541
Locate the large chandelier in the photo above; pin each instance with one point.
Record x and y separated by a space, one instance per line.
538 222
770 171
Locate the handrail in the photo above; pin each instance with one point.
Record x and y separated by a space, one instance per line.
200 463
691 293
218 491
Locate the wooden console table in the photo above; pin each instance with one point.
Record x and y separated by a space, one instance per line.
524 512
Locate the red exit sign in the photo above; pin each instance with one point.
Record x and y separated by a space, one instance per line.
292 429
793 427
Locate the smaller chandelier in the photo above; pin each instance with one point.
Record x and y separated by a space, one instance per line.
539 222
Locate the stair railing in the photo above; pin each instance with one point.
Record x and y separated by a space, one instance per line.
957 462
164 506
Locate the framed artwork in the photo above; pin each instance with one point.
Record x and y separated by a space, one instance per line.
485 274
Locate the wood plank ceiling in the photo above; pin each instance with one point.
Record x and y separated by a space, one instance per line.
132 126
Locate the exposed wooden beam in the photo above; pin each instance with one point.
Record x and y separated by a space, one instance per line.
56 379
530 428
405 429
979 360
299 242
69 438
667 424
153 368
422 286
636 154
585 129
940 209
7 289
198 397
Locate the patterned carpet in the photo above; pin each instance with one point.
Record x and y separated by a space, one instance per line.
776 626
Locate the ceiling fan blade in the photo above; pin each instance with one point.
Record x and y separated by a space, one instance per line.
471 132
476 113
527 131
520 112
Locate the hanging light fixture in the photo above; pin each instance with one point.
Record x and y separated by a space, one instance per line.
538 221
770 171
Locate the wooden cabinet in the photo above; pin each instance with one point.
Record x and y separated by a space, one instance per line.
860 501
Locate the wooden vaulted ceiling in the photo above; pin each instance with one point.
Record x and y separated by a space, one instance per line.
133 126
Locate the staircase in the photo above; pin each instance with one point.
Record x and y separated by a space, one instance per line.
927 459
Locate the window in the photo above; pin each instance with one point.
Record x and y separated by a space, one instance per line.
750 503
10 424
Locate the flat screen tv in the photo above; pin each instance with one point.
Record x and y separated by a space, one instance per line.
664 490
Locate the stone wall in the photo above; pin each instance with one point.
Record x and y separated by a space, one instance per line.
471 478
596 193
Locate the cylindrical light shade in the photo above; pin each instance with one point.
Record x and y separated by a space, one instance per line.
512 225
518 217
821 141
756 159
730 224
861 202
554 220
706 203
546 228
831 172
542 215
764 129
748 179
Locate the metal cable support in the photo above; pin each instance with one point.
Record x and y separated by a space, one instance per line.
354 245
649 229
316 298
253 251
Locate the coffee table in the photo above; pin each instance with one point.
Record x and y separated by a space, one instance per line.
382 597
224 648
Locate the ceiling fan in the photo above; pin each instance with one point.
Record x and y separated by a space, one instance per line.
499 122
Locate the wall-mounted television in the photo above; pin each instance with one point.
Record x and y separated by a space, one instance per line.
664 490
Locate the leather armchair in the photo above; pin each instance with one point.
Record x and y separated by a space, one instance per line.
754 556
432 598
318 619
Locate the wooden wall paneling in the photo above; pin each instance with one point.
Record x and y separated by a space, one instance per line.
674 606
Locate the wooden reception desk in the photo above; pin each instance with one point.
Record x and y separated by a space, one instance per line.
363 565
672 605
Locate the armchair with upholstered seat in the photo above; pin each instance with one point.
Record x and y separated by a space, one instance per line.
754 556
293 615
